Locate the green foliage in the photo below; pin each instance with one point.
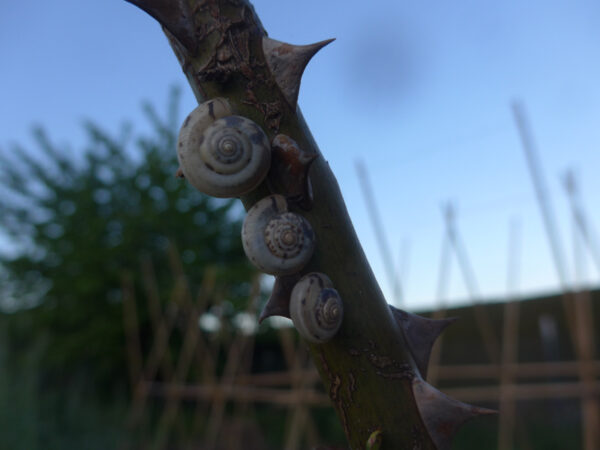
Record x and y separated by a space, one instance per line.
81 222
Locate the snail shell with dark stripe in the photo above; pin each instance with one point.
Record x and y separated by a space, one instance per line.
316 308
275 240
222 155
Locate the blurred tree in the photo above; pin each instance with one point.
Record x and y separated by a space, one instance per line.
79 222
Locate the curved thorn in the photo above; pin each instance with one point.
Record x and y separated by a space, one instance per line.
289 170
279 302
420 333
442 415
174 15
287 63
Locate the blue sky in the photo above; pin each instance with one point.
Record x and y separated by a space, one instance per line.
419 91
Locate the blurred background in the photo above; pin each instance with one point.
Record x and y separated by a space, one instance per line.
127 308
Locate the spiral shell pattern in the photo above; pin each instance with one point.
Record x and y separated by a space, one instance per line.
284 235
220 154
276 241
316 308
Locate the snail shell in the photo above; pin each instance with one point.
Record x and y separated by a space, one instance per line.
316 308
222 155
276 241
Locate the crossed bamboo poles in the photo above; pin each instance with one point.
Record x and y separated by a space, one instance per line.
210 390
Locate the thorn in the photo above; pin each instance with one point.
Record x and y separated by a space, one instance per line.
287 63
420 333
289 170
174 15
442 415
279 302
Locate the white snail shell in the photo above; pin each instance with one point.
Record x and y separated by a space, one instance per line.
222 155
276 241
316 308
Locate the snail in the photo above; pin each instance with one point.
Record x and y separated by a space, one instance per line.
316 308
222 155
275 240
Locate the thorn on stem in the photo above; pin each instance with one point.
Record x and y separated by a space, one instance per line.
420 334
442 415
287 63
279 302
